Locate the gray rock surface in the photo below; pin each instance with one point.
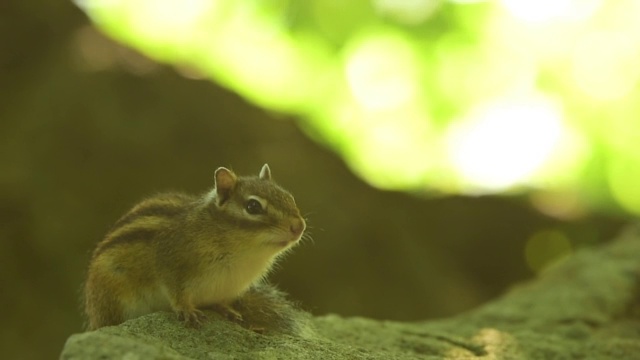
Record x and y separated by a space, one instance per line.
586 307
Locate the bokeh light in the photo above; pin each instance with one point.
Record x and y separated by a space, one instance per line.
538 12
381 71
605 64
504 144
426 95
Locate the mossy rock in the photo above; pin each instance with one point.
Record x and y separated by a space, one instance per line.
586 307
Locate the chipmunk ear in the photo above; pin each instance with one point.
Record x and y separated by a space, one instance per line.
225 183
265 172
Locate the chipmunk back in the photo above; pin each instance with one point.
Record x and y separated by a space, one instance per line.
183 253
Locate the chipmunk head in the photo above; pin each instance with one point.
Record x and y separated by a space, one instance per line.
263 212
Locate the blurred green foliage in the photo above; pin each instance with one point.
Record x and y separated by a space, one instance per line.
426 95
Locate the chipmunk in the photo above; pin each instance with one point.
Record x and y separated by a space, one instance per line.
184 253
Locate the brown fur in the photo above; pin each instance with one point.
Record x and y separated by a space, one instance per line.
179 252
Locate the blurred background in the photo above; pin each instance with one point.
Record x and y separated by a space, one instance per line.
442 150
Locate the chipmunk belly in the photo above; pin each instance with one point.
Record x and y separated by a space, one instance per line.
224 283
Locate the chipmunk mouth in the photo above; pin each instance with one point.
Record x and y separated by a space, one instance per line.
283 243
285 240
291 235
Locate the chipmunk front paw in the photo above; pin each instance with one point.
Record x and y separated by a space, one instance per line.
192 318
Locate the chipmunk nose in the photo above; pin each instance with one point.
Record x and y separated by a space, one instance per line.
297 226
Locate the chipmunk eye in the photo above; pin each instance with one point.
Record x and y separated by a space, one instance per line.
254 207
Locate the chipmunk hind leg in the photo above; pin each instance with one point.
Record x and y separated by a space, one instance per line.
102 306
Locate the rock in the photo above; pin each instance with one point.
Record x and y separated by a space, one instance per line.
586 307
